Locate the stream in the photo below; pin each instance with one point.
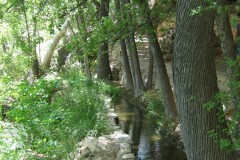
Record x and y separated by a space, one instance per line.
147 143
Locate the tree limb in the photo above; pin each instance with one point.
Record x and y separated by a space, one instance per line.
56 39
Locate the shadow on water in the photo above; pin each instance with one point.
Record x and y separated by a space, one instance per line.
147 143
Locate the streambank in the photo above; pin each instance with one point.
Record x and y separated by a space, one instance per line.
116 145
148 141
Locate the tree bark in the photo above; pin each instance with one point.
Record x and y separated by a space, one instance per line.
53 45
150 71
62 56
134 60
124 54
195 84
103 66
136 71
166 89
229 48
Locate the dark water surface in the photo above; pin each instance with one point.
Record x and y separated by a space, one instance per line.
147 143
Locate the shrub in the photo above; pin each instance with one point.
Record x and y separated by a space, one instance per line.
56 116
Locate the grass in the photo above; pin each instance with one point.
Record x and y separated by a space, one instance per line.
58 113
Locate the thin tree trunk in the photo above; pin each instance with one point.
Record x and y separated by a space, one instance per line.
4 46
150 70
229 48
86 61
124 54
53 45
62 56
132 47
136 71
131 65
166 89
35 62
195 84
103 66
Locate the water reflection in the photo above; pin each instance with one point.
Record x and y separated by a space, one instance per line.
147 144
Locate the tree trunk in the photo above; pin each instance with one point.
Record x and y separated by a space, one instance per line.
35 63
136 71
35 67
150 71
195 84
62 57
229 48
103 66
124 54
132 48
166 89
86 60
126 64
53 45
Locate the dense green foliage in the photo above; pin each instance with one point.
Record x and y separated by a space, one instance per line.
155 112
57 113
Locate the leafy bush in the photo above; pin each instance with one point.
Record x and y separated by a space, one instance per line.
154 105
57 115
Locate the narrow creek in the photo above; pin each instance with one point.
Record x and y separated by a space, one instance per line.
147 143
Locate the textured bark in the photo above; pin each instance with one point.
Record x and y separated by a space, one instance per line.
166 89
195 83
136 71
229 48
150 71
134 60
124 54
126 64
103 65
53 45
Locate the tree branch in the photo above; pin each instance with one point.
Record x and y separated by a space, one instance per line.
73 9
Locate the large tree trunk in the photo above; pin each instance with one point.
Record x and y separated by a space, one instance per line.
124 54
195 84
134 60
229 48
166 89
53 45
103 65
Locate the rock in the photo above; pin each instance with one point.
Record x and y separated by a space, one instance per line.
103 141
121 137
77 157
125 146
129 156
124 138
85 151
125 149
92 144
112 115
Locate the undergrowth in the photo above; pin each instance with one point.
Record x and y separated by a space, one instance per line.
155 112
57 113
